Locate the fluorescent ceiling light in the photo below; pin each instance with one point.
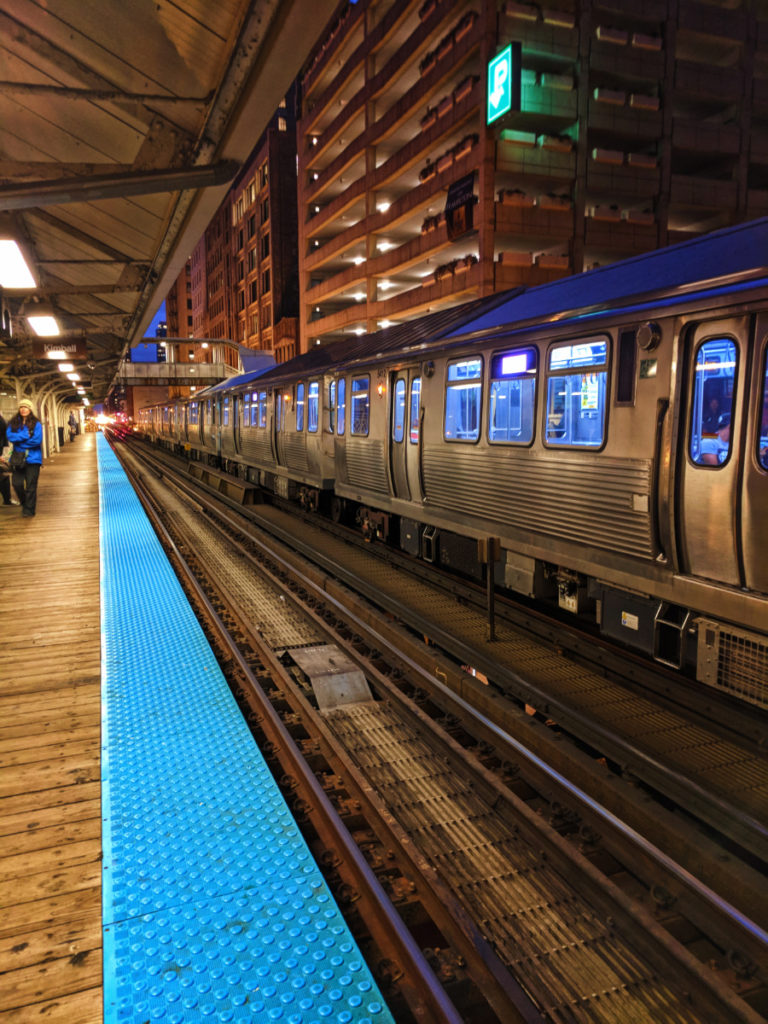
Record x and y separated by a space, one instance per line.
66 367
14 272
73 376
44 326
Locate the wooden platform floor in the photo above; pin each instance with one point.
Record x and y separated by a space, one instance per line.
50 811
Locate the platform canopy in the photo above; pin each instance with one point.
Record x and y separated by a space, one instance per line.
122 125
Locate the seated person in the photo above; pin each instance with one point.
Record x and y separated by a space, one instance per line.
714 450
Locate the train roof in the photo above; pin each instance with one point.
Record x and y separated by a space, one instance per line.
678 273
704 263
691 270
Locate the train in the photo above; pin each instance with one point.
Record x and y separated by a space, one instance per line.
598 443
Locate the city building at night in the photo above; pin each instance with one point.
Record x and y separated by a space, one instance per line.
638 125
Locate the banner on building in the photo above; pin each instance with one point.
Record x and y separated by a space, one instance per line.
459 206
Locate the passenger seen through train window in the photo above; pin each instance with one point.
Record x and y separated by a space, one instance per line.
713 386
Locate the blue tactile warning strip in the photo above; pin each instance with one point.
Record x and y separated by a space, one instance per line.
213 907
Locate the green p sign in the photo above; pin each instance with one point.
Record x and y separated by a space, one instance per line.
503 89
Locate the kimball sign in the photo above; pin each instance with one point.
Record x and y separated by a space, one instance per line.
503 89
59 350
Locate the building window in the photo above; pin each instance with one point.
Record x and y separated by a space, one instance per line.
265 246
265 282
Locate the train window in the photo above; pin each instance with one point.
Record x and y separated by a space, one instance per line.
262 408
247 409
313 402
413 429
512 396
360 405
299 407
331 405
462 400
194 410
225 412
762 451
280 409
715 364
576 393
341 408
398 412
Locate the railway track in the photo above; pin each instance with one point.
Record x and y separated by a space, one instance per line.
505 873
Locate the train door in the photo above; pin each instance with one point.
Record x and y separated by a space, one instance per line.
710 466
282 406
405 433
754 499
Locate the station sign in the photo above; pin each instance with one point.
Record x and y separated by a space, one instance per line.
60 349
503 84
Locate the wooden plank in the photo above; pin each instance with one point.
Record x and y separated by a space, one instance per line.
67 836
50 724
29 985
34 947
50 746
32 821
57 796
80 1008
24 866
50 910
20 738
72 746
47 775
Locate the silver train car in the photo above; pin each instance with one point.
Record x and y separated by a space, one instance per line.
605 436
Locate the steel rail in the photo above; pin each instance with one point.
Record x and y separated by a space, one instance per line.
433 1004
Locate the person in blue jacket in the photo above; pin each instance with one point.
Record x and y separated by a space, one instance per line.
25 432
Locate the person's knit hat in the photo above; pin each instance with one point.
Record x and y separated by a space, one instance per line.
29 404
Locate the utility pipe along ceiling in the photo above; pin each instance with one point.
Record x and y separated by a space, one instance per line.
122 125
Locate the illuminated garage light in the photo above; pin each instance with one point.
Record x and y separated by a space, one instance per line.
14 272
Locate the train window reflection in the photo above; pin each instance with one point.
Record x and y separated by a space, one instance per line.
713 386
413 428
262 408
299 407
576 401
462 400
341 408
331 406
762 452
225 412
360 405
398 412
512 396
313 406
